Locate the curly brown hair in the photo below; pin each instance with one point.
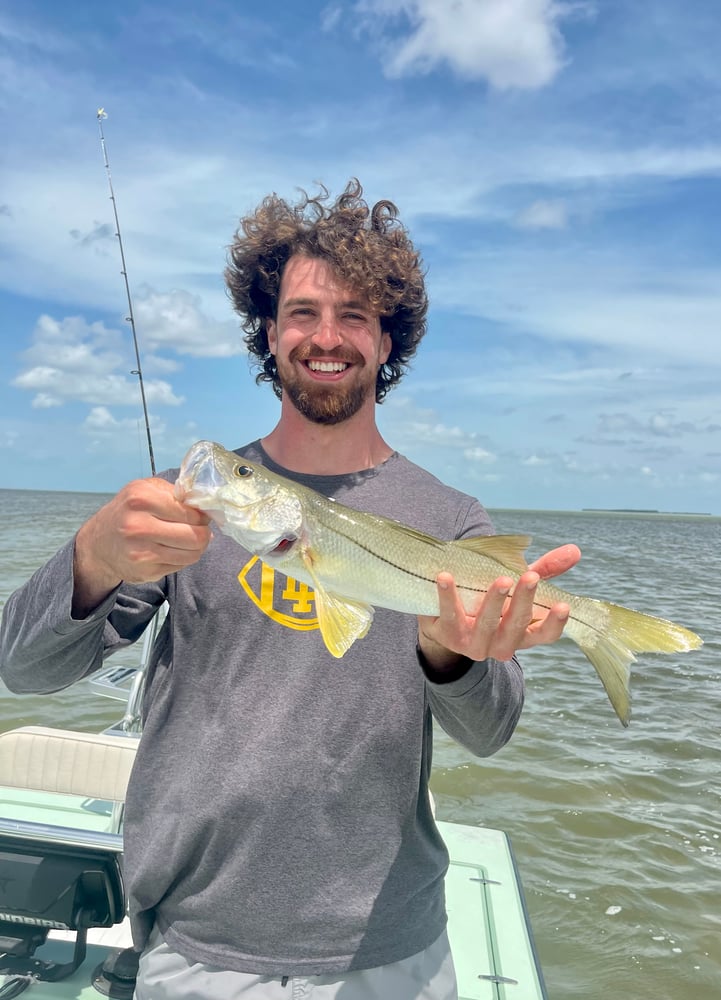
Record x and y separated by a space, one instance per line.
369 249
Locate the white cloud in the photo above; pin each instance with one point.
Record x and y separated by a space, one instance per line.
417 431
543 214
640 309
73 343
9 438
509 43
42 400
175 320
330 17
479 455
72 360
126 435
54 387
659 424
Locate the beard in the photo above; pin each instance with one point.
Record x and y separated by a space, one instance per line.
331 404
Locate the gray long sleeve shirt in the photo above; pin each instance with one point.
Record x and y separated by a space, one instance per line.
277 818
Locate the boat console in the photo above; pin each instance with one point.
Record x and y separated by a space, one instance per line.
60 852
53 883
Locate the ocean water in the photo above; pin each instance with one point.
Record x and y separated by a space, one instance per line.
617 832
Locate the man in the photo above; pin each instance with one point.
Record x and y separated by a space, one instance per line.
278 829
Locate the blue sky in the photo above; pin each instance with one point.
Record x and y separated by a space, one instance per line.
558 164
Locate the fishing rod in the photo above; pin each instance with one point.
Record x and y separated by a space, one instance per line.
130 318
131 721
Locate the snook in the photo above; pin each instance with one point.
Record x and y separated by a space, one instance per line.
355 561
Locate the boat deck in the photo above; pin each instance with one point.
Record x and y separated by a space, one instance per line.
488 926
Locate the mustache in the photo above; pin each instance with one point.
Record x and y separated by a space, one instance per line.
305 352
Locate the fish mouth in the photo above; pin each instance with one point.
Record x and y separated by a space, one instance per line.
199 474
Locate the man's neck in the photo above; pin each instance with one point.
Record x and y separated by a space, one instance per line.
300 445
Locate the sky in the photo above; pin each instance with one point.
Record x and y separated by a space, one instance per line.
557 163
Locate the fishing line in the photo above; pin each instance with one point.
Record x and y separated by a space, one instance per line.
130 318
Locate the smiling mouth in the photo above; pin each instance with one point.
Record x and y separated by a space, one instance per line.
329 367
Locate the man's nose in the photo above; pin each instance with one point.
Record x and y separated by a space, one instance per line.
327 333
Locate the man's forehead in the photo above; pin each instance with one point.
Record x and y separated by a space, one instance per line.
306 277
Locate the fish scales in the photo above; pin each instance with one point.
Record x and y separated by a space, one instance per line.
356 561
366 558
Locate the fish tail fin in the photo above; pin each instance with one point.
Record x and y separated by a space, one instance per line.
610 647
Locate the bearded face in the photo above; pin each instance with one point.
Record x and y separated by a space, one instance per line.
326 402
327 342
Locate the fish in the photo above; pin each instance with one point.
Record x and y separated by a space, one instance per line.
356 561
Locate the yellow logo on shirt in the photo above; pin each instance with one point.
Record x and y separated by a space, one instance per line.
280 597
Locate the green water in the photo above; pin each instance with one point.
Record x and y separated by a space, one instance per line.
617 832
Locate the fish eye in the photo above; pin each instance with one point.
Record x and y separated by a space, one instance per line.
243 471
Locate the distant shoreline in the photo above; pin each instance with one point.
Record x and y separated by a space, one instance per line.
490 507
643 510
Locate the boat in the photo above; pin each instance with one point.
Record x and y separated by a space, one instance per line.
64 933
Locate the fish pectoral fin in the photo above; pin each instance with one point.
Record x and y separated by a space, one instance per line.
508 550
341 621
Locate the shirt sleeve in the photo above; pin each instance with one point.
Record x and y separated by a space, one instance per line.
481 709
44 649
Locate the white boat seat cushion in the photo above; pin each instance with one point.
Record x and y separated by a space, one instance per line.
94 765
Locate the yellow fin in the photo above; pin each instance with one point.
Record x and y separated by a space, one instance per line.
508 550
648 634
610 647
612 660
341 620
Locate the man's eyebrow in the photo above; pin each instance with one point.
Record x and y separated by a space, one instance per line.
299 301
356 304
308 301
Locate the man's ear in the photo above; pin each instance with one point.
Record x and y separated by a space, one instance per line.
271 332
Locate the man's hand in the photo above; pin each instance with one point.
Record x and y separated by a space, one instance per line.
505 621
142 534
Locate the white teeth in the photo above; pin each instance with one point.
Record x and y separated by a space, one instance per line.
327 366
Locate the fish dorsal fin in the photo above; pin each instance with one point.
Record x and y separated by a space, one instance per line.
341 621
508 550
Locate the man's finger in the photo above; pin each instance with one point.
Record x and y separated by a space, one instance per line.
557 561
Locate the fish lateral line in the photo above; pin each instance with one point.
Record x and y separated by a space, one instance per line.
506 550
406 571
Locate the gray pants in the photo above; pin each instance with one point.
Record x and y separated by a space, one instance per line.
166 975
